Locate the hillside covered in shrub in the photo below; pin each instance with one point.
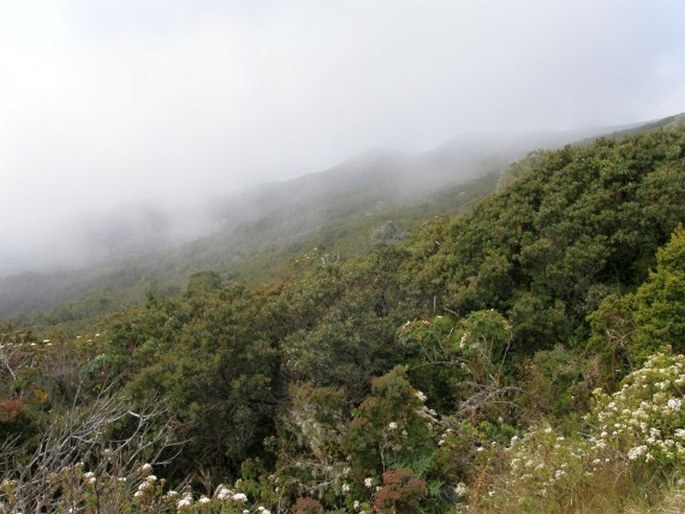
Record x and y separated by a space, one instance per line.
524 356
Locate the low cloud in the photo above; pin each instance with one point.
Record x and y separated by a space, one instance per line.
104 103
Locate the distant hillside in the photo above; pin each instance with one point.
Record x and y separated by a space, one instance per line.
272 230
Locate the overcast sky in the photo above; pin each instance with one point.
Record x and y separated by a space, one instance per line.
108 101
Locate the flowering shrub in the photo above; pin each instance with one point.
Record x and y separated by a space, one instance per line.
645 419
638 431
75 490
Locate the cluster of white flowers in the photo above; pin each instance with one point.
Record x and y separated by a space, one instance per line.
646 414
239 498
223 493
636 452
641 422
147 484
185 502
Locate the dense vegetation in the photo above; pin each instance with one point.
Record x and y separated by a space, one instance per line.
523 356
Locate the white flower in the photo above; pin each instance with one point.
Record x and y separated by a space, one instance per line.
346 488
203 499
674 404
461 489
392 426
422 397
223 493
636 452
368 482
239 497
146 468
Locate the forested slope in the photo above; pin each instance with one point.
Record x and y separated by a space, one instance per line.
523 356
257 234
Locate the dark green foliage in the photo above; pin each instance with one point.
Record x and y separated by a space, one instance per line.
450 361
341 322
538 249
203 282
554 384
636 325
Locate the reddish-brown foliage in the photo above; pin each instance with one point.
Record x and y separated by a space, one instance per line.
9 409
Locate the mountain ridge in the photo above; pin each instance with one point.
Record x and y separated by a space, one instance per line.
354 195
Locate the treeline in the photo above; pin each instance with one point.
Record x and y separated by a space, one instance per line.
469 366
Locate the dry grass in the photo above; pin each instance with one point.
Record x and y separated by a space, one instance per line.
672 502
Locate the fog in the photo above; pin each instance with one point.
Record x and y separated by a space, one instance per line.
162 104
